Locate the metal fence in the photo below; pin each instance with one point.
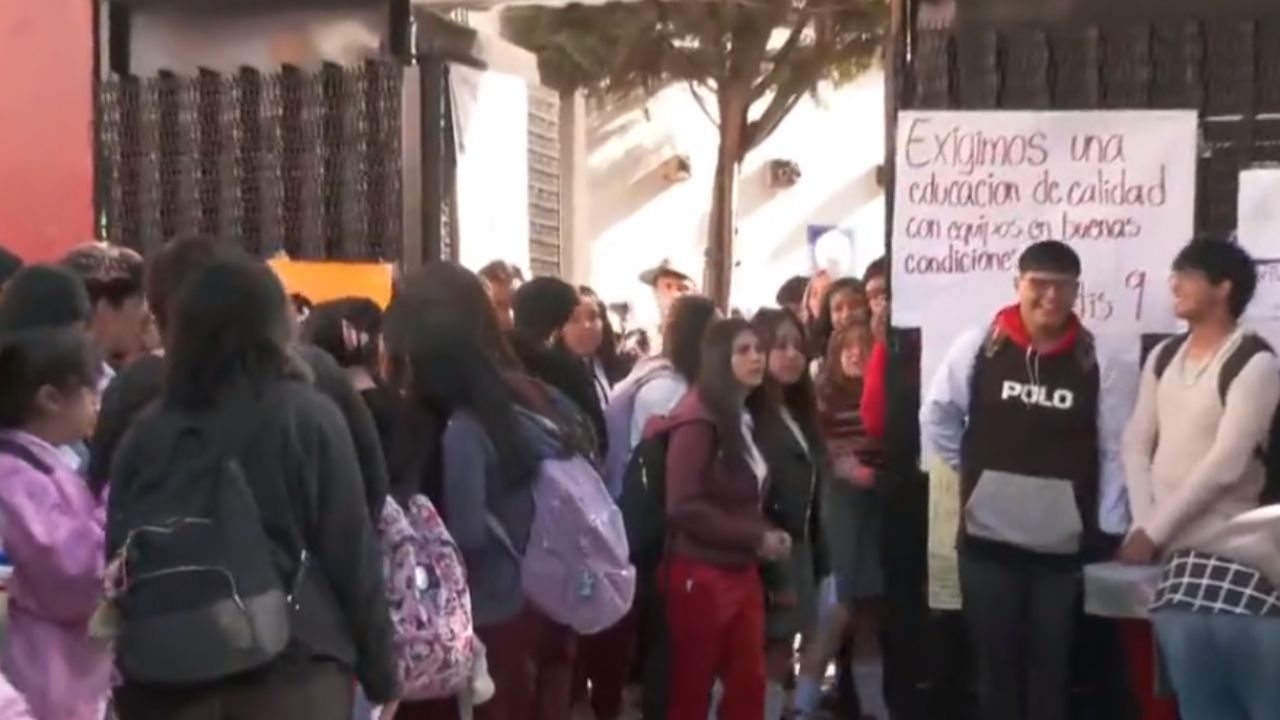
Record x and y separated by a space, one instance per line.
1228 70
302 162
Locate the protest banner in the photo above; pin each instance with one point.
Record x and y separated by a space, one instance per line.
973 189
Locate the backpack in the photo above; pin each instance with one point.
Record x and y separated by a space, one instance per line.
643 502
426 584
1250 345
576 567
203 596
617 420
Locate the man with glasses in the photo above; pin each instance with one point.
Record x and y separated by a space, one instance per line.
1030 414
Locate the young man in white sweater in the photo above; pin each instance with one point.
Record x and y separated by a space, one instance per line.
1193 465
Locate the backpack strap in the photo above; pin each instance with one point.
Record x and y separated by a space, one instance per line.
1165 353
496 527
22 453
1250 345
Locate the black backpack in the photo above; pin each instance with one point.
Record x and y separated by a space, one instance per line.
1250 346
644 503
204 597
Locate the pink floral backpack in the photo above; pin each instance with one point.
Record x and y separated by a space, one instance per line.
430 601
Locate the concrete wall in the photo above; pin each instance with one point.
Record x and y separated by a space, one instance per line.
630 217
46 126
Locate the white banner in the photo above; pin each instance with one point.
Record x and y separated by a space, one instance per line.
1258 223
491 126
975 188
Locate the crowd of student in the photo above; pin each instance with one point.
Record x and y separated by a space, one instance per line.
178 430
133 392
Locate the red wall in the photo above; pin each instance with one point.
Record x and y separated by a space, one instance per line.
46 125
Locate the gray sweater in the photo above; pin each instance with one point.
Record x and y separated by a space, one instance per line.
473 488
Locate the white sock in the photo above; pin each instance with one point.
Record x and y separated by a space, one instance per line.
717 692
775 700
868 680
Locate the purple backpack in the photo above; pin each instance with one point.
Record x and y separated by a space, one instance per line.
576 567
426 585
617 419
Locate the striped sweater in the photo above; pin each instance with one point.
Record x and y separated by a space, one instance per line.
840 420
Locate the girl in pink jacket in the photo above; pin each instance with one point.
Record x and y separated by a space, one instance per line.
52 526
12 706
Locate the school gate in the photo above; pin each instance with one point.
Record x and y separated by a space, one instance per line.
1219 57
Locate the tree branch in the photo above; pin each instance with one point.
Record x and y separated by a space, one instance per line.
781 58
702 104
710 41
780 105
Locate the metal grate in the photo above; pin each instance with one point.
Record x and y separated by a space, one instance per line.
1228 69
301 161
544 181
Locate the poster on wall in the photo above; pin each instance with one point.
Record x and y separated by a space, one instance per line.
1258 231
973 189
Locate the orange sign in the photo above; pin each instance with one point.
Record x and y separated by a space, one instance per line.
323 281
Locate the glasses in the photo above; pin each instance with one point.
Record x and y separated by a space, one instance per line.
1041 285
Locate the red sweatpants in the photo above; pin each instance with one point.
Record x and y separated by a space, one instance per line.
531 660
716 621
604 664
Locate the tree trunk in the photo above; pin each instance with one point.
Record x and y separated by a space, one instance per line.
722 221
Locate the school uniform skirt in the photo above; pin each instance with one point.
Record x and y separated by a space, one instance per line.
784 622
851 517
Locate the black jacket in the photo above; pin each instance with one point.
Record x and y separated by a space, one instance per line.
301 467
557 368
142 383
793 500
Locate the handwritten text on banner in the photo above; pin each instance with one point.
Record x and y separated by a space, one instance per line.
975 188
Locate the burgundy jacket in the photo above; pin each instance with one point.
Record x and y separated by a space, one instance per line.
713 507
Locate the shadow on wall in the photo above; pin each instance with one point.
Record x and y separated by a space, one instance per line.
755 194
854 195
612 118
754 191
641 162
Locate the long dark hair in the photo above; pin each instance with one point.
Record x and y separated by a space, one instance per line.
720 391
540 308
230 324
327 328
799 398
824 325
453 288
439 361
687 323
614 368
